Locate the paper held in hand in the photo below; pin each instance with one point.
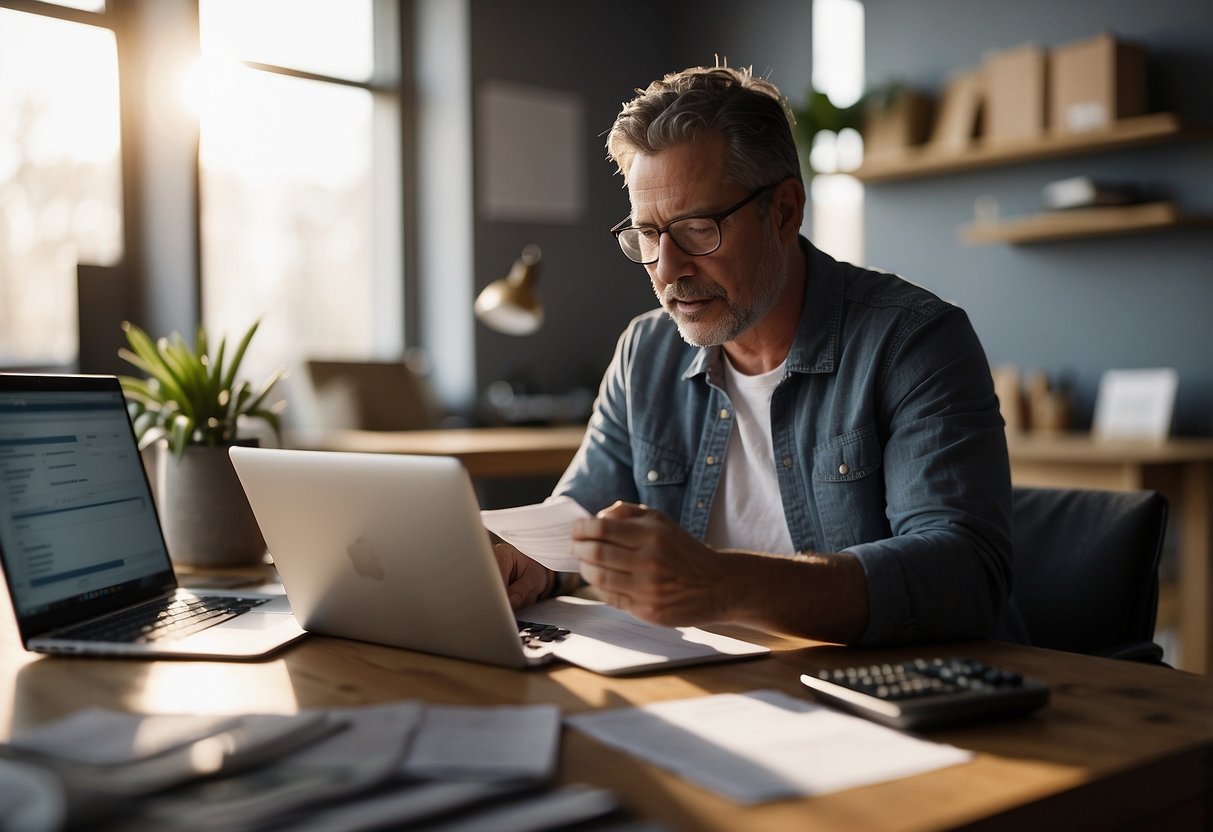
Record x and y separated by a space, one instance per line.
542 532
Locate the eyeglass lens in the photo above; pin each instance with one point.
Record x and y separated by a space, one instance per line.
694 235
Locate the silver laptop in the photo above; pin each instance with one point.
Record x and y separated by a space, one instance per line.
80 541
390 549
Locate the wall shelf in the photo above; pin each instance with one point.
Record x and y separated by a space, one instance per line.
915 163
1083 222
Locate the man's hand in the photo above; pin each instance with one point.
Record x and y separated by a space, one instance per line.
639 560
525 580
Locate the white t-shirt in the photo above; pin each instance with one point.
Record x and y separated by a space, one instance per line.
747 512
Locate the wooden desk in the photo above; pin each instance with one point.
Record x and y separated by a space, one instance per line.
1121 745
1181 469
485 452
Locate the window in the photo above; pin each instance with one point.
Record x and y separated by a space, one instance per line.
60 177
838 71
299 142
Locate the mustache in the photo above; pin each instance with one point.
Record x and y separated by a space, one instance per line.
685 290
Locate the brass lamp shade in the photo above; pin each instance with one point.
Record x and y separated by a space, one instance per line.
511 305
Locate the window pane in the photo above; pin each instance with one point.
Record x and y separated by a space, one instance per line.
286 216
60 178
838 71
326 37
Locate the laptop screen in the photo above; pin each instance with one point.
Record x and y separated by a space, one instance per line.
79 533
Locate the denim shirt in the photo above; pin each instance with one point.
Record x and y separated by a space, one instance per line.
888 444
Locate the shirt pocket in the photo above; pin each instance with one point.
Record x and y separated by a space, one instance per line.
849 490
661 476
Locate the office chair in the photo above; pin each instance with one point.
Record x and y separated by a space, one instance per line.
1086 569
373 395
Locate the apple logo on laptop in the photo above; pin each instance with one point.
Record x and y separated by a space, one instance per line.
366 562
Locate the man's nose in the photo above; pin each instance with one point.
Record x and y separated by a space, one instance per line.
672 262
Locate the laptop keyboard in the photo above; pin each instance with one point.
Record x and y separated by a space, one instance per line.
160 619
535 635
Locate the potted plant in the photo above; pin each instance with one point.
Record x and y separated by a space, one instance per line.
192 402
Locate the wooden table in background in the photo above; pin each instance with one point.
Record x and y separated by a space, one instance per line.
1181 469
485 452
1120 745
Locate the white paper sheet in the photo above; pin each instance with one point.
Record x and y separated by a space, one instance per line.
610 641
98 736
542 532
765 745
475 743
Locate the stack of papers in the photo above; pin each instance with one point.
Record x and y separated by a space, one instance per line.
472 769
340 769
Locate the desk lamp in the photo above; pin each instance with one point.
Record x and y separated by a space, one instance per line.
511 305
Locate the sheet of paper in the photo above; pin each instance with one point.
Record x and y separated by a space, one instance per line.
477 743
765 745
542 532
99 736
610 641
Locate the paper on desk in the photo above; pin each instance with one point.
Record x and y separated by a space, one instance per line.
542 532
98 736
365 753
478 743
765 745
198 747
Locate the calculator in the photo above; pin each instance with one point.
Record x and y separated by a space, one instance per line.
928 692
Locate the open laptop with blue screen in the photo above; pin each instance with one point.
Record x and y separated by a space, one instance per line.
81 548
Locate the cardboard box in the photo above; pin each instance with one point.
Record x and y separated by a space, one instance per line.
1095 82
902 123
1015 94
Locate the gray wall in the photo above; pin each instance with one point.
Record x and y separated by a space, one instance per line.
1073 308
602 52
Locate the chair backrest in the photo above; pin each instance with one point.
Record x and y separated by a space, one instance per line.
373 395
1086 567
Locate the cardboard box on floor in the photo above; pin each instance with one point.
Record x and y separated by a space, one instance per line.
1095 82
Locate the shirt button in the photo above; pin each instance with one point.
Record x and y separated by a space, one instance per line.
724 414
711 460
844 469
652 476
787 462
700 504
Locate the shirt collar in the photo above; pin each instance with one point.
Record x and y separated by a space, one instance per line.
815 347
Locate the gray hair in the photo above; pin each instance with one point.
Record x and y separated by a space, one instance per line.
748 112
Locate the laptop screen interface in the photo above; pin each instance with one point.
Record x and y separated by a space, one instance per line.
77 523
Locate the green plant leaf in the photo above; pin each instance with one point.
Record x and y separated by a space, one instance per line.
272 419
230 376
180 431
153 361
189 396
265 389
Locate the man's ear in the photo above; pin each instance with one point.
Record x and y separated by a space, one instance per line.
787 208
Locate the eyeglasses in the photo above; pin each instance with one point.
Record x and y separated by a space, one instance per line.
696 236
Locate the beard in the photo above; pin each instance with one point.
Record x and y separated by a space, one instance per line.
755 299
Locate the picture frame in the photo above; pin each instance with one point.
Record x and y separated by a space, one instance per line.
1135 404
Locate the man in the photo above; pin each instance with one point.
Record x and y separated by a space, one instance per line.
796 444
